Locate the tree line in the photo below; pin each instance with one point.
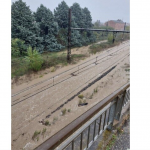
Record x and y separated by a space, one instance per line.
44 30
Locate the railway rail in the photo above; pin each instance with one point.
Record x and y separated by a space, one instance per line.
79 70
60 100
109 107
52 78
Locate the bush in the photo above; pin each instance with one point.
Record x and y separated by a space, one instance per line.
110 38
64 111
43 131
119 130
17 47
34 59
36 133
95 90
80 96
47 123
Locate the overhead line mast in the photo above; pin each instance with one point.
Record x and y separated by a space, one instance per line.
86 29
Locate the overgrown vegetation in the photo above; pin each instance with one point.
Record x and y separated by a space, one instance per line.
94 48
95 90
35 135
34 59
47 123
21 65
43 131
111 142
82 101
37 36
69 110
17 47
47 31
81 96
64 111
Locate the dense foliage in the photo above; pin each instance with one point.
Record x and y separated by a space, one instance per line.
48 28
24 26
46 31
33 59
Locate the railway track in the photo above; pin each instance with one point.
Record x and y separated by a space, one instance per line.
59 137
61 100
27 113
48 86
30 87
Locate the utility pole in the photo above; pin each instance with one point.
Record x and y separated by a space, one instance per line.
69 36
123 32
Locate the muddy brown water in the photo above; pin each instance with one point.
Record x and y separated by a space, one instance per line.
27 114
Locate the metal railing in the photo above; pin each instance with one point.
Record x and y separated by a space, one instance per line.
83 131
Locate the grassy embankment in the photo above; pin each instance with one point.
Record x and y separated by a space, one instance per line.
20 67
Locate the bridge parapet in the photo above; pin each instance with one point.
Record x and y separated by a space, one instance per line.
83 131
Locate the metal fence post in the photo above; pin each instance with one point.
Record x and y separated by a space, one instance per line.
104 119
88 136
113 37
73 145
111 116
99 124
94 130
119 106
81 141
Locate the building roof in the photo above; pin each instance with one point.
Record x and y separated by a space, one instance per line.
117 21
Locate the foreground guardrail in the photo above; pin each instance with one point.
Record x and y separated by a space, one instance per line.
83 131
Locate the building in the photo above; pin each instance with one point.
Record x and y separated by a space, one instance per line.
116 24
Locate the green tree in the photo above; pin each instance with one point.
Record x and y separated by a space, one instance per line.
34 59
17 47
110 38
83 19
78 14
24 26
48 29
61 17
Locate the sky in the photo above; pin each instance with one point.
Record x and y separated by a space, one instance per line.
102 10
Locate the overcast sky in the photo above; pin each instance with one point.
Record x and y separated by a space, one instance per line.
102 10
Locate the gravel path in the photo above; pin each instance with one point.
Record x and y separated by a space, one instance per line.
123 141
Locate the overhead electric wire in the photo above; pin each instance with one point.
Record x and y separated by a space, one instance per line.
81 86
58 82
54 76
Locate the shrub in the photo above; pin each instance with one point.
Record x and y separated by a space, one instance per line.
34 59
53 69
47 123
36 133
69 110
80 96
110 38
100 146
43 131
64 111
106 135
114 137
95 90
119 130
17 47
